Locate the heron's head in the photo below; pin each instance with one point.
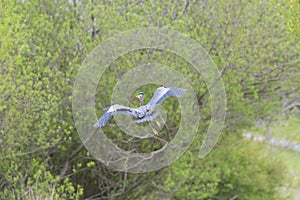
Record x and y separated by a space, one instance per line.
140 97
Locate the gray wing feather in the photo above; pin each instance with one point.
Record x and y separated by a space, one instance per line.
113 110
163 92
159 93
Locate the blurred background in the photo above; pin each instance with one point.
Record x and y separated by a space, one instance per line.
255 45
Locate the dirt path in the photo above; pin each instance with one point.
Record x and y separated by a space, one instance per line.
290 145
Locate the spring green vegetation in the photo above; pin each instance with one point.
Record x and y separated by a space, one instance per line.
284 128
255 44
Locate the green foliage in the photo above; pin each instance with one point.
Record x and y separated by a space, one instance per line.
42 44
284 129
290 12
236 168
36 109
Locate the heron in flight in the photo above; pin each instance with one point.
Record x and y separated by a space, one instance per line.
144 112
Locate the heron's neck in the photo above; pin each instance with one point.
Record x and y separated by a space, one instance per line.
141 102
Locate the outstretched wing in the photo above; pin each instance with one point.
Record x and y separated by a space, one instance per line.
113 110
162 93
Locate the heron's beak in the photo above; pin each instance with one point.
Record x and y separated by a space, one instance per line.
138 96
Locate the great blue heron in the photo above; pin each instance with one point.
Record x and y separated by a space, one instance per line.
144 112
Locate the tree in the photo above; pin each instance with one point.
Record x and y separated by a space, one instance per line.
44 42
36 111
